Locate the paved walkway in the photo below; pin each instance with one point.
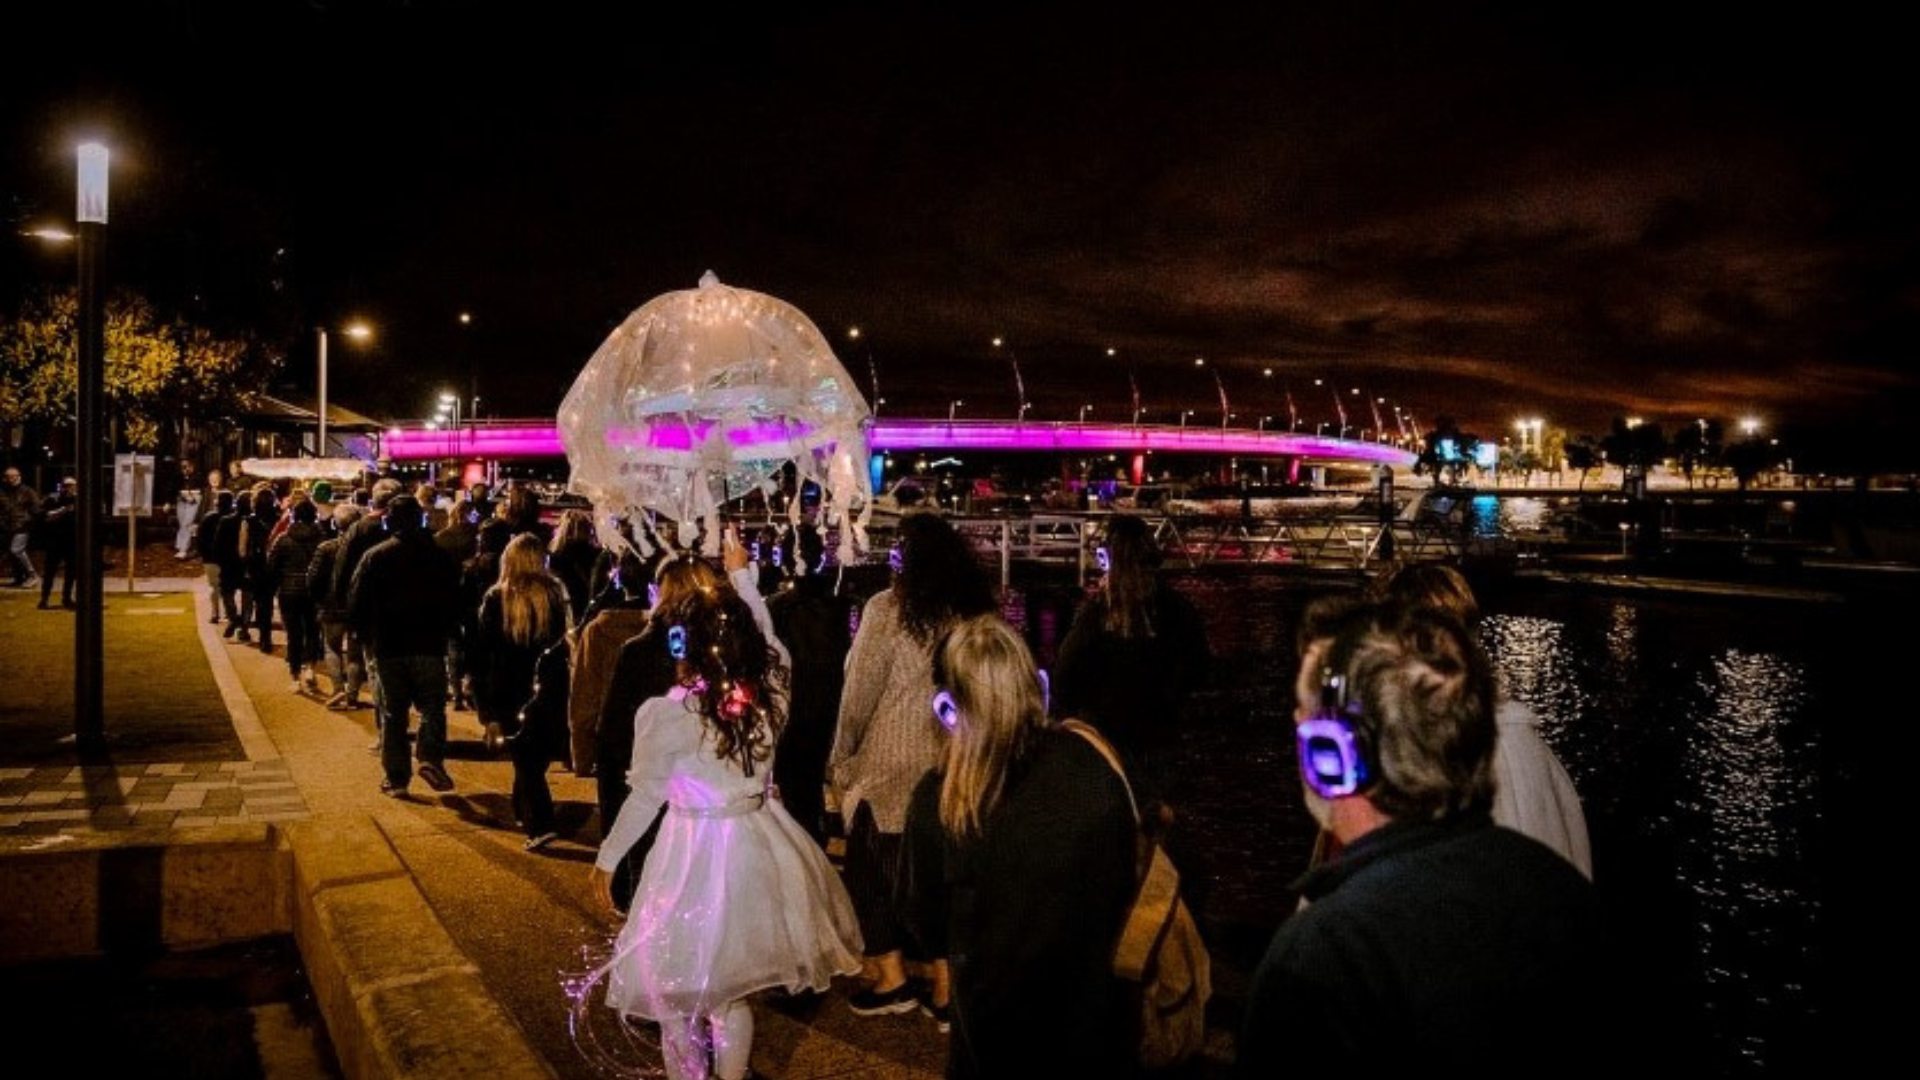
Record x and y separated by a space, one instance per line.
203 730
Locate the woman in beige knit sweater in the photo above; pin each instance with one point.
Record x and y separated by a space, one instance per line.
887 738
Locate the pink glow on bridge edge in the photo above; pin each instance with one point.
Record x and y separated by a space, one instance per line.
543 440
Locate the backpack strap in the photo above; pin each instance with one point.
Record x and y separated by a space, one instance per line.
1091 734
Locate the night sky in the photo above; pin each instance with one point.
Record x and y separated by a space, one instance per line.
1577 213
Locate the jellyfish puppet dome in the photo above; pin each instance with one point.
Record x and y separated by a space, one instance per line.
704 396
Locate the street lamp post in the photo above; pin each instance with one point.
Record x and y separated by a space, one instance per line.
320 443
951 407
1084 409
89 640
358 331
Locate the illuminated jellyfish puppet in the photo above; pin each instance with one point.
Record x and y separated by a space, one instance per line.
704 396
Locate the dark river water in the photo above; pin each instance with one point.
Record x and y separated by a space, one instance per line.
1719 745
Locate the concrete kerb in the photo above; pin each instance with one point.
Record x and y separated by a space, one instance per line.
399 998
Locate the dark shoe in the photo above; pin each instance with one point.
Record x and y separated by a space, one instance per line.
44 605
243 638
435 776
68 603
231 630
392 790
870 1002
535 843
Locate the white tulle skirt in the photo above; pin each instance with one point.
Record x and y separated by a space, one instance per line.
727 905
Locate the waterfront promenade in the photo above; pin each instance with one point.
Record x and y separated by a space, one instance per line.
209 749
207 744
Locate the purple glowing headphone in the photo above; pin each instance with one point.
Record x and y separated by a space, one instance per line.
947 711
1333 751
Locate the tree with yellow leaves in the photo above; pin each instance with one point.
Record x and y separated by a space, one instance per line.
159 374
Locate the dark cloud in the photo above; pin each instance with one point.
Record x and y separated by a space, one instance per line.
1579 214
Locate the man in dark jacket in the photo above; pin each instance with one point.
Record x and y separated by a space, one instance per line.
59 517
359 538
289 556
402 602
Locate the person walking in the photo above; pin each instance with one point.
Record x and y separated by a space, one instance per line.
401 601
1019 863
289 562
643 668
60 539
1435 942
256 535
479 571
523 616
187 507
360 537
234 594
577 559
206 545
885 740
815 622
617 617
19 513
346 674
459 537
735 897
1134 654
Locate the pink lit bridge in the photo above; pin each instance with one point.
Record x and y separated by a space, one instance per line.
534 439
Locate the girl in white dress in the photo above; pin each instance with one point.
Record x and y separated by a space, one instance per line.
735 897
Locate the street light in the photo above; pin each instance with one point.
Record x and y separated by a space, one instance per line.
1084 409
357 331
89 733
951 406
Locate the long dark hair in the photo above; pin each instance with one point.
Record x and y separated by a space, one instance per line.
738 680
1132 559
940 579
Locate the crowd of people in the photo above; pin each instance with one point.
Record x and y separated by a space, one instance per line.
738 719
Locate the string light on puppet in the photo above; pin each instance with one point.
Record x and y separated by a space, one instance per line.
705 396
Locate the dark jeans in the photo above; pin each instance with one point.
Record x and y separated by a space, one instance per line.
302 621
532 797
58 556
401 684
263 617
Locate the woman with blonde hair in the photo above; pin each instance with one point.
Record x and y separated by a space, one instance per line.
1019 865
520 646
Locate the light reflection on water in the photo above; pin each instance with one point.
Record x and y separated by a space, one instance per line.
1693 730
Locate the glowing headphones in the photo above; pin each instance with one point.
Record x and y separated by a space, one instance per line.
1103 558
653 594
753 551
894 559
776 555
947 711
1335 758
677 641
